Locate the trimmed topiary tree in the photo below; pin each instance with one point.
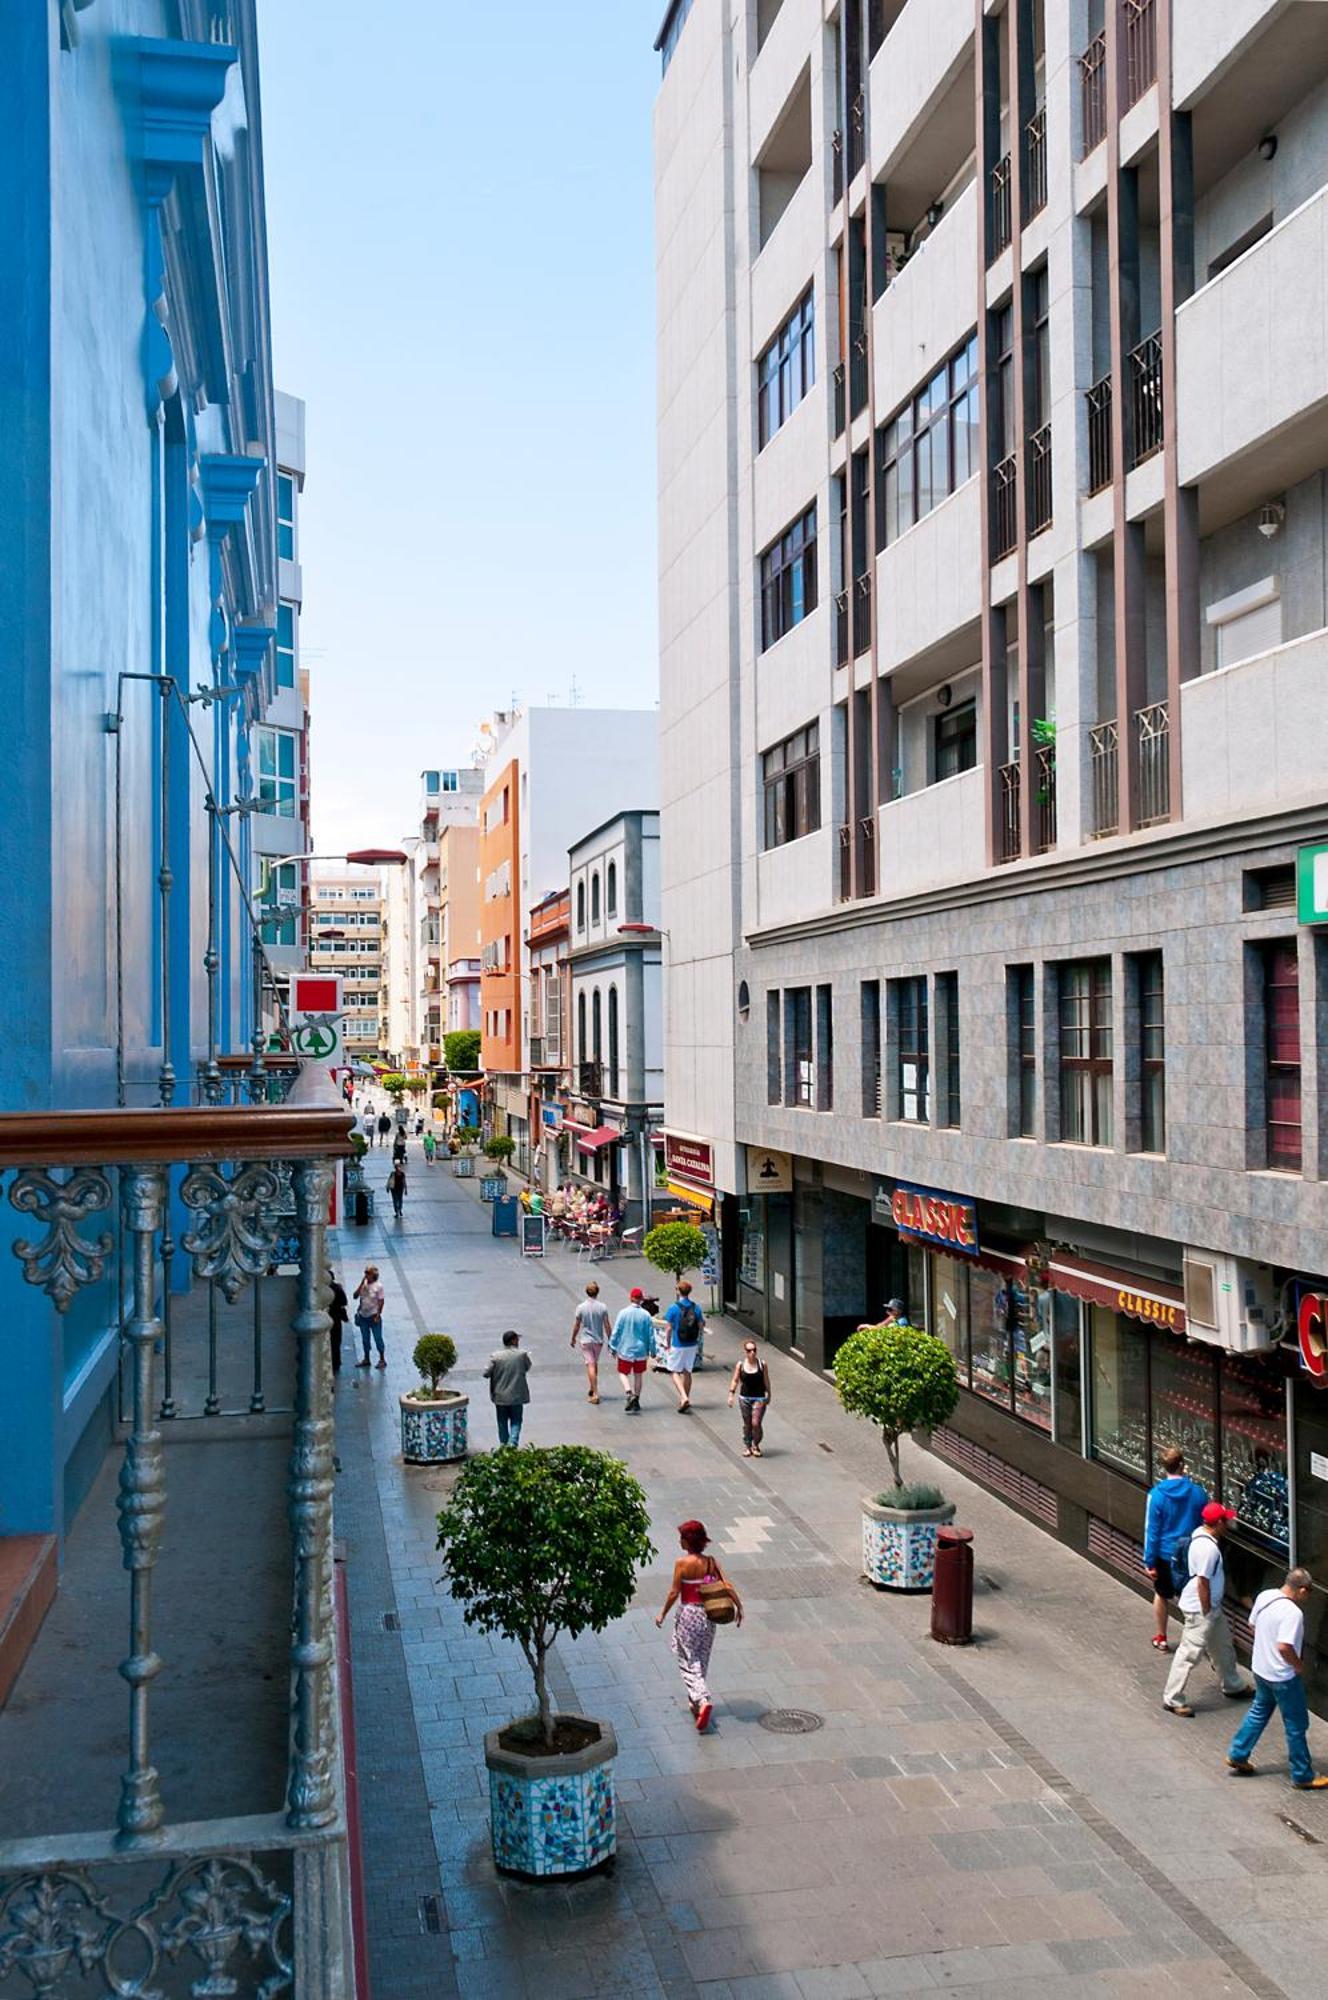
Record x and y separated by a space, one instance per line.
435 1356
900 1379
500 1148
675 1247
461 1051
543 1541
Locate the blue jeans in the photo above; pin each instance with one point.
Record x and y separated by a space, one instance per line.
368 1327
509 1417
1289 1696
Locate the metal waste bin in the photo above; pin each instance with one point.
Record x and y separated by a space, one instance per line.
952 1587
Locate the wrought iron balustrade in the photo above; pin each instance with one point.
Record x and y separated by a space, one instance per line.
1008 841
1093 93
1004 507
1044 798
857 134
843 648
837 379
1002 219
837 169
1153 724
1098 399
867 855
862 613
845 863
1035 161
1103 752
1146 399
1139 19
1039 480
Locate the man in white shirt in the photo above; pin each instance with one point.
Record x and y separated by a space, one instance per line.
1205 1628
1278 1619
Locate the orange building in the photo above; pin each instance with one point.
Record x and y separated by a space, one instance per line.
500 925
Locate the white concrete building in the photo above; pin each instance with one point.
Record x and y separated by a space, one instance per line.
430 917
346 936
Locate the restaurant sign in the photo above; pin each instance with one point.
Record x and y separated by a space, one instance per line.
950 1220
689 1161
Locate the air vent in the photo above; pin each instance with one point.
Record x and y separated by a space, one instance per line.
1120 1552
1200 1293
996 1473
1271 888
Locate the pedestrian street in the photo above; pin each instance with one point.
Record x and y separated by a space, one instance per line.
1016 1817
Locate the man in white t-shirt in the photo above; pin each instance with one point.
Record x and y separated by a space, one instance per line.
1278 1619
1205 1628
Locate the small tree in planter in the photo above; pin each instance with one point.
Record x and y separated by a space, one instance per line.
675 1247
536 1543
433 1419
499 1149
900 1379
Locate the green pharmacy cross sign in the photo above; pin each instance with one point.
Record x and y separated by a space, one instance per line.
314 1039
1312 884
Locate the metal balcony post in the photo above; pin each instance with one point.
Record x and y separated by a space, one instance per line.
310 1796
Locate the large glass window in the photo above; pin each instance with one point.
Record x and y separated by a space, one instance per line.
955 741
1066 1343
279 903
786 370
929 448
788 579
791 780
1032 1338
285 516
1152 1055
994 1312
1119 1410
1025 1052
285 645
911 1050
1185 1405
1086 1050
277 758
949 1098
799 1068
949 1311
1281 1011
1252 1417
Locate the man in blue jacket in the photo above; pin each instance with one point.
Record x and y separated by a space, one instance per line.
633 1342
1175 1507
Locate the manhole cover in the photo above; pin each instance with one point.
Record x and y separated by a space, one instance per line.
791 1721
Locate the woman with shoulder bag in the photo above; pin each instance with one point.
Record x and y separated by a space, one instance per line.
705 1598
751 1385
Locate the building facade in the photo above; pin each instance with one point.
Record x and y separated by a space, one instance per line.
994 615
548 936
346 936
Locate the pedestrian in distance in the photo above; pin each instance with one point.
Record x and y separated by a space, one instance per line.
399 1146
686 1325
1205 1627
396 1187
509 1390
369 1315
1175 1509
1278 1618
384 1126
430 1148
590 1326
419 1127
705 1598
338 1312
632 1341
750 1383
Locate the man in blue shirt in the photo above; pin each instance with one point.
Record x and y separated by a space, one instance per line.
686 1325
633 1342
1175 1508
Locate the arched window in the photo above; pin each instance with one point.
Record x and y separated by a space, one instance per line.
613 1038
580 906
596 1046
594 897
611 891
580 1027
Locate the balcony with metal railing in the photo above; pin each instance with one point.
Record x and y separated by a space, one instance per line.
1039 480
843 644
1002 210
1044 797
857 135
1145 377
1035 163
1093 93
1004 507
858 359
867 855
1008 841
862 614
838 388
1104 780
1139 24
1153 726
837 168
1098 400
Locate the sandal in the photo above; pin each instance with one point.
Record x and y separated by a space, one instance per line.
1162 1645
746 1451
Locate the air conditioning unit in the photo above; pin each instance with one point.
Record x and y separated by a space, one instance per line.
1230 1303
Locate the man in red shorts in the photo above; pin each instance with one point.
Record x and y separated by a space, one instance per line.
633 1342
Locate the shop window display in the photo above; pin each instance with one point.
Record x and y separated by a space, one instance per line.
1253 1433
1185 1406
949 1310
1119 1431
1068 1370
1031 1313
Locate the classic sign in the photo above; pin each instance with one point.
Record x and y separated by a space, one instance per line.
1312 1329
1140 1305
948 1219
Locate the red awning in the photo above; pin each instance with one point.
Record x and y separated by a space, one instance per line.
603 1135
1155 1303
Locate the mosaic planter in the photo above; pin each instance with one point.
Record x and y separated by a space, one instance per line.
899 1544
434 1433
552 1816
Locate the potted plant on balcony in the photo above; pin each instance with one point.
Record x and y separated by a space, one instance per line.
536 1543
899 1378
433 1419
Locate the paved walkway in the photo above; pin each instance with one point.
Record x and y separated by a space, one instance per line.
1018 1817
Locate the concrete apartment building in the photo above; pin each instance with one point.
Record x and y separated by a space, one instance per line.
543 769
432 919
346 935
993 457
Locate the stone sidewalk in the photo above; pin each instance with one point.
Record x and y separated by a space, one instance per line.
1015 1817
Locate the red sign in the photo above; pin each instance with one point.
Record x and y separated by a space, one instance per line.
1312 1327
689 1160
939 1218
315 993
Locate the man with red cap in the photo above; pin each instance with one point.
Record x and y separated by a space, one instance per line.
1206 1629
633 1342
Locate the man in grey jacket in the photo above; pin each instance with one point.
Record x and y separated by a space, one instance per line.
506 1376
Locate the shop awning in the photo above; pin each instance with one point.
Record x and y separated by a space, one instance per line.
603 1135
1157 1304
692 1197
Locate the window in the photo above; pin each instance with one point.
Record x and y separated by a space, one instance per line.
581 1027
594 898
947 1048
285 645
786 370
791 777
1003 370
871 1048
788 579
1085 1043
798 1065
1022 1017
611 890
286 516
825 1049
1118 1432
613 1041
911 1051
929 448
580 906
596 1026
279 903
450 781
1152 1055
1039 312
1281 1014
1247 622
774 1066
955 741
673 28
278 767
1253 1436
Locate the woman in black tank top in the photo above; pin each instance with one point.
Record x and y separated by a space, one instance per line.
751 1385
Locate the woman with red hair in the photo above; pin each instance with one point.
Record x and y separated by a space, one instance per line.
693 1631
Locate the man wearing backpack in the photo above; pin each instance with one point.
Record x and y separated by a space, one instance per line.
686 1325
1175 1507
1206 1629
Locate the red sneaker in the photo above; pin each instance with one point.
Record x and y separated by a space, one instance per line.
703 1718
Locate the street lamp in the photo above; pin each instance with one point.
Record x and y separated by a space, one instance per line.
359 857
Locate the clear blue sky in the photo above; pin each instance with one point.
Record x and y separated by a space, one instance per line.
461 244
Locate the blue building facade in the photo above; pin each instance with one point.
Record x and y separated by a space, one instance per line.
138 606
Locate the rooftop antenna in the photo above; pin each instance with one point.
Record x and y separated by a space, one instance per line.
574 694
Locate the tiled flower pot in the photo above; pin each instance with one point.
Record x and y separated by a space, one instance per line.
899 1544
552 1816
434 1433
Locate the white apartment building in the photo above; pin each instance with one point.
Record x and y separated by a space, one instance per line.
431 919
993 469
346 936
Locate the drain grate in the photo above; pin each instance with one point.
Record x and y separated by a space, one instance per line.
391 1621
431 1915
791 1721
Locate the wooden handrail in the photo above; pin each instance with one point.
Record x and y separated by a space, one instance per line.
160 1136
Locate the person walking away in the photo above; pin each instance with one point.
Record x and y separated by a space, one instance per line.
1278 1618
396 1187
384 1126
419 1127
1205 1627
430 1148
1175 1508
399 1146
686 1324
509 1389
338 1312
590 1326
369 1315
632 1340
751 1385
693 1630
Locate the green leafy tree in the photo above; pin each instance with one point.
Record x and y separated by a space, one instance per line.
500 1147
675 1247
899 1378
461 1051
435 1355
467 1134
543 1541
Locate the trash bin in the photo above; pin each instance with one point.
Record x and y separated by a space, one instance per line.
952 1587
